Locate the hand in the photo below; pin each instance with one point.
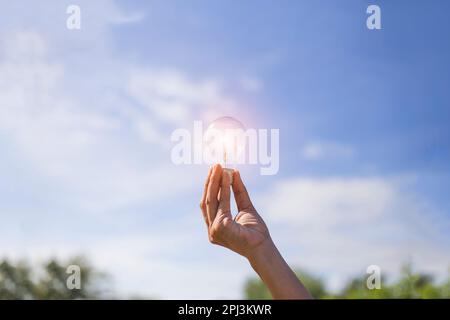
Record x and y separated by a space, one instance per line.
247 230
246 234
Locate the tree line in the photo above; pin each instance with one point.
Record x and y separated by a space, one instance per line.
20 280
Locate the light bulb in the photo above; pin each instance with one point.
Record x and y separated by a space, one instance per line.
225 143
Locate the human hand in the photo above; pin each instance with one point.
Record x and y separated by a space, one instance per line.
246 234
247 231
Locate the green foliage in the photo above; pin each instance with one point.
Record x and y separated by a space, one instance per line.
409 284
314 284
15 281
19 281
255 288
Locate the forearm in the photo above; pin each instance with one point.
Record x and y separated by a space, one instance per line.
281 281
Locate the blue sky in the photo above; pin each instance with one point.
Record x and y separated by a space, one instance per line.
86 117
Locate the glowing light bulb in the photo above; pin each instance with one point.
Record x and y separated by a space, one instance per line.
225 141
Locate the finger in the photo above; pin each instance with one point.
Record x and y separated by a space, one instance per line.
212 193
203 200
224 202
240 192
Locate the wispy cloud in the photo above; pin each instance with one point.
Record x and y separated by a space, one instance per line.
251 84
128 18
173 98
317 150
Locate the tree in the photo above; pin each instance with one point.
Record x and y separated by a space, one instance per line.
409 284
15 281
416 285
20 281
356 288
255 288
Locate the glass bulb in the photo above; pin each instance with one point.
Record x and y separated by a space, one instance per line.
225 142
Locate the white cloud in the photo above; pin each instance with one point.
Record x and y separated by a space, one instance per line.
339 226
127 18
175 99
251 84
316 150
330 200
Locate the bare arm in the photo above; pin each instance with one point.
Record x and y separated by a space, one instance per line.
246 234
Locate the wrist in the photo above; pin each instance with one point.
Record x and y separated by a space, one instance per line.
281 281
264 254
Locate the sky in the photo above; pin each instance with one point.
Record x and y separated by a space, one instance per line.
86 118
